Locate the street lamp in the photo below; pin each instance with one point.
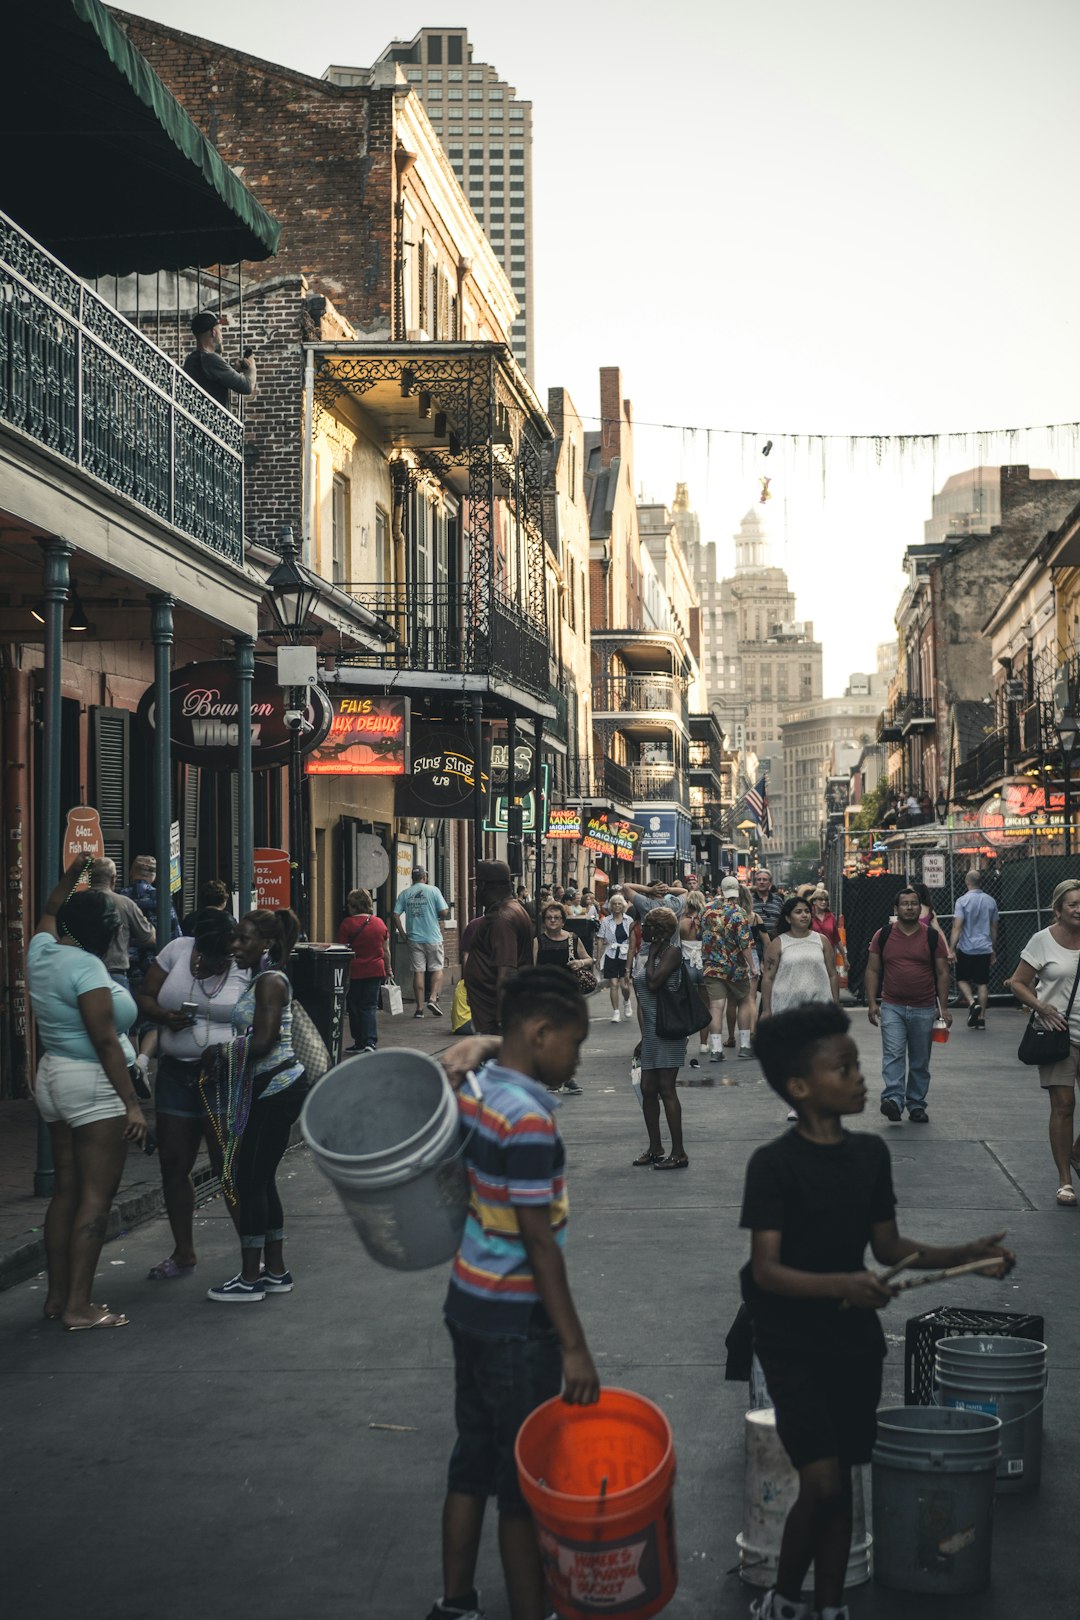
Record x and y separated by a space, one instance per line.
941 806
292 592
1068 728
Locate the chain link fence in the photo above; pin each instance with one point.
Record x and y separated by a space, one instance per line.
866 870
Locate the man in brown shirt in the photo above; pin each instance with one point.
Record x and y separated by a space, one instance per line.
503 944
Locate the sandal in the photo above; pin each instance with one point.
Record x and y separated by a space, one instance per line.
673 1162
111 1319
167 1271
1066 1198
647 1158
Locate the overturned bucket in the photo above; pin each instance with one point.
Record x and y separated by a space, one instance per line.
1005 1378
385 1129
933 1490
599 1482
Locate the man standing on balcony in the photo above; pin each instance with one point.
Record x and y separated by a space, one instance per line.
973 947
205 365
423 908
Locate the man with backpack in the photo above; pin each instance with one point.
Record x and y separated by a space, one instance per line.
907 986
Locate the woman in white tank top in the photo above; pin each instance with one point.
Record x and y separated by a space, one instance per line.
800 965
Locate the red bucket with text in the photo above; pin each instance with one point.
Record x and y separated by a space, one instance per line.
599 1481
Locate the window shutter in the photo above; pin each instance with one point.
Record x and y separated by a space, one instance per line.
189 839
110 733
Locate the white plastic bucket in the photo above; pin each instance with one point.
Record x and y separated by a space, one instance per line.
385 1130
770 1487
1006 1378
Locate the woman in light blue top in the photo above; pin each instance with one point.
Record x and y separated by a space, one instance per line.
83 1088
262 1017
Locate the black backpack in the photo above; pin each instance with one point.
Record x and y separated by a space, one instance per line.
932 937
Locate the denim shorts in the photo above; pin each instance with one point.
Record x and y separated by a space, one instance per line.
176 1088
497 1383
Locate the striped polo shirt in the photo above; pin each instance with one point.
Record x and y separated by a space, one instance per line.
515 1159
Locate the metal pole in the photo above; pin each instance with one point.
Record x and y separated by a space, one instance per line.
57 579
161 634
511 790
298 853
538 782
1067 757
245 808
478 798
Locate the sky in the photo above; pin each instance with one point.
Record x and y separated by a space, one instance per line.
850 218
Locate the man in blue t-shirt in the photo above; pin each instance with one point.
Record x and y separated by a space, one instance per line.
973 947
419 910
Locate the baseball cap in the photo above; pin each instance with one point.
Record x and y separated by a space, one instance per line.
730 886
492 872
204 322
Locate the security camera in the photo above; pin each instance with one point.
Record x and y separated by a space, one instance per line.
294 719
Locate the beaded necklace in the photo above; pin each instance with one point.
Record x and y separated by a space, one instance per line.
208 994
227 1096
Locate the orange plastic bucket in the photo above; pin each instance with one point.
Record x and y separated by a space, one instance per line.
599 1481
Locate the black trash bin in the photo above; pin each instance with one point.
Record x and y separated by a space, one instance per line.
320 981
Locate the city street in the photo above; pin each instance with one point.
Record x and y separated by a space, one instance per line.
289 1462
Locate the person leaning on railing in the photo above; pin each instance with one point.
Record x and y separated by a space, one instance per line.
83 1088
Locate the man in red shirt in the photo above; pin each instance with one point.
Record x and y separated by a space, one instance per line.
913 962
503 944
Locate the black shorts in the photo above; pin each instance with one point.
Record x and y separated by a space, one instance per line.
497 1383
825 1408
613 968
973 969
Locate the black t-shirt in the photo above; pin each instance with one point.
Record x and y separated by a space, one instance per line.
823 1200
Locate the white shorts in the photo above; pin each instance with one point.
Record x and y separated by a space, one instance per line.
74 1091
426 955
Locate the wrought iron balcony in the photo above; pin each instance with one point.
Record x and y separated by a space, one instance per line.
982 768
86 385
1032 730
659 782
560 693
601 779
640 695
915 713
436 629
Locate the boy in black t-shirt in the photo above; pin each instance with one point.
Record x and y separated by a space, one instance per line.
814 1199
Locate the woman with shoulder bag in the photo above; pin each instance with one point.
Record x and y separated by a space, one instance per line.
1051 959
613 957
258 1101
658 969
369 940
188 993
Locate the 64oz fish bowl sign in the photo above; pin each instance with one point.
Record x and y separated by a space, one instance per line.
204 726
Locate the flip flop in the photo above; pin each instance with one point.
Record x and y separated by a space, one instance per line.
167 1271
57 1316
106 1321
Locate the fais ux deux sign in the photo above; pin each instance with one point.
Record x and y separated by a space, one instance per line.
203 724
369 736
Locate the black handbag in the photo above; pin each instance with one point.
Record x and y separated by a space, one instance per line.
1042 1046
680 1012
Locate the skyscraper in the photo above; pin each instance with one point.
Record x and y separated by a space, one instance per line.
486 132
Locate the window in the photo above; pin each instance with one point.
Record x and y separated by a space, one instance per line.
435 76
453 74
435 93
454 129
413 75
517 185
495 95
495 151
495 219
434 48
476 95
477 152
517 235
383 570
476 75
517 151
454 48
516 168
476 168
339 528
517 112
453 95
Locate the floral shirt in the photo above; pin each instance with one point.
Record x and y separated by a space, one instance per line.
725 935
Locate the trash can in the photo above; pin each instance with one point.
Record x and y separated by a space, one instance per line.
320 981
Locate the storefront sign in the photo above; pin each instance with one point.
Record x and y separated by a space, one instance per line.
667 835
1020 811
82 837
175 879
627 836
406 860
203 716
527 802
273 885
441 779
564 823
368 736
596 833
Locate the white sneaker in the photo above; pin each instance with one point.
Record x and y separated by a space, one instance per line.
773 1607
616 1017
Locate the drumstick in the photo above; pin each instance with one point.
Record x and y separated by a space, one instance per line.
887 1276
950 1271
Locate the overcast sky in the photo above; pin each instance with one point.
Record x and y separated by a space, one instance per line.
845 218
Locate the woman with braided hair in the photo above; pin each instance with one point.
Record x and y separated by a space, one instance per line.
83 1088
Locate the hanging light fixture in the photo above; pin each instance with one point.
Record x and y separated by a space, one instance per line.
78 619
291 592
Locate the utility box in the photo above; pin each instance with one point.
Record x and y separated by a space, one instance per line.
320 981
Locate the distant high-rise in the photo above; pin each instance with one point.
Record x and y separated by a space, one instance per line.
486 132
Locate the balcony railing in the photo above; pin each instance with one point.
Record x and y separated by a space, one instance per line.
80 380
659 782
640 694
599 779
432 624
1032 737
889 728
985 766
915 713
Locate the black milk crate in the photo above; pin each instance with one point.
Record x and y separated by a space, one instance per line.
923 1334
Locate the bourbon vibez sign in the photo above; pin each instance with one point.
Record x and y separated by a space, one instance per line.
204 713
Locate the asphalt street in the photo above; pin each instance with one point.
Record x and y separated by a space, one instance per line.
288 1459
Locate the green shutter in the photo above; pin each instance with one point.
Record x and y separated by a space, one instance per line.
110 741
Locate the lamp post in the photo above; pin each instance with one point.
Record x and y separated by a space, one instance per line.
292 593
941 806
1067 727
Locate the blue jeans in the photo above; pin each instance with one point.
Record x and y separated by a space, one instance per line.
906 1034
363 1002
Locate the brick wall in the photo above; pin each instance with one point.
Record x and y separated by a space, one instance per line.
318 157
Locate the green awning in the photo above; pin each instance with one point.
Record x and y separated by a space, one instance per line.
104 167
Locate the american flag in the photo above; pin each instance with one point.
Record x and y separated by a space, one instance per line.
757 802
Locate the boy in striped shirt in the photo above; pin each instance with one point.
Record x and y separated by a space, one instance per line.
516 1334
